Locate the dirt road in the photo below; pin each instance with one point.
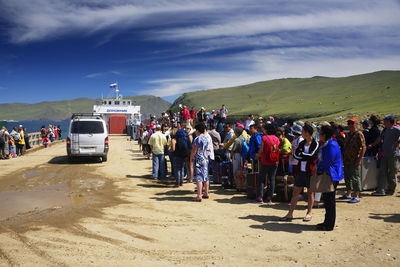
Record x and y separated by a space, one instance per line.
89 213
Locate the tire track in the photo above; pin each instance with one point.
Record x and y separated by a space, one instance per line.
34 248
6 257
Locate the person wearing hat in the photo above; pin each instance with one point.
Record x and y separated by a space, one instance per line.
353 151
390 139
21 142
157 143
296 130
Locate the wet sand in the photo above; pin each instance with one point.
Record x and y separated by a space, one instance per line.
91 213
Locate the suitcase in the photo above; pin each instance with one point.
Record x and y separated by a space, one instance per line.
217 174
284 185
251 179
227 175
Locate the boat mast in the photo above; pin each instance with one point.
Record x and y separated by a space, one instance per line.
116 90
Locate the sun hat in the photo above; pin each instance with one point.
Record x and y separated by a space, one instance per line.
324 123
296 129
151 126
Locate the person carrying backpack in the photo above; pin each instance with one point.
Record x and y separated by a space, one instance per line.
180 147
4 135
269 158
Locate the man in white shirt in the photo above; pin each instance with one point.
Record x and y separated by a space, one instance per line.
249 122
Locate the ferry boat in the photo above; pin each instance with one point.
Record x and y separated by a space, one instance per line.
121 115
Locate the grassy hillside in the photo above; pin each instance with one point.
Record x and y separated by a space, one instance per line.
60 110
300 98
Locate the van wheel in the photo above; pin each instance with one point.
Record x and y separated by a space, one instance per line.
104 158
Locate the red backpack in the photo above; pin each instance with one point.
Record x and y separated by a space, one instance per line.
272 153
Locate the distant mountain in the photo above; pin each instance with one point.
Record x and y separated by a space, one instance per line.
60 110
301 98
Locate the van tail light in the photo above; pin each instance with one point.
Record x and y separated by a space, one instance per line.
68 142
106 142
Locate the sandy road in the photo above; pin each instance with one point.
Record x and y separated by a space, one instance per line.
111 213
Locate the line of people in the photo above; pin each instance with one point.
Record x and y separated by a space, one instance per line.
310 150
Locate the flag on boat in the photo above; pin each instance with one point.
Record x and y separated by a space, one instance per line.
113 85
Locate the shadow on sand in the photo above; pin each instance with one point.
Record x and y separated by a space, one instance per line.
391 217
64 160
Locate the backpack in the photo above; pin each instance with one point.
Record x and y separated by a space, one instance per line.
2 137
339 139
17 137
272 154
245 147
182 149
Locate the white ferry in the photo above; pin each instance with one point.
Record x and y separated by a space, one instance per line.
121 115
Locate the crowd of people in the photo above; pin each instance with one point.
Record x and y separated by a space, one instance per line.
13 144
194 140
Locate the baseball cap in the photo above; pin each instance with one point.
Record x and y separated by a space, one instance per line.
389 118
158 126
353 120
151 126
365 122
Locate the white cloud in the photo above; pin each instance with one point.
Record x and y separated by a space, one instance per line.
274 64
102 74
44 19
247 26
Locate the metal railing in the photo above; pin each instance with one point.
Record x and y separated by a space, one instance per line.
35 139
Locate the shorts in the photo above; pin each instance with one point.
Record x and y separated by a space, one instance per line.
302 179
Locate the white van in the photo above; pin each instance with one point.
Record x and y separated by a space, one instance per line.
87 136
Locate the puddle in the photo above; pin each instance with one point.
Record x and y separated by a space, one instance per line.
36 199
30 174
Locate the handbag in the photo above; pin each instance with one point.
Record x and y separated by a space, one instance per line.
321 183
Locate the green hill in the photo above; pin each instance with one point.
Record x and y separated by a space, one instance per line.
301 98
60 110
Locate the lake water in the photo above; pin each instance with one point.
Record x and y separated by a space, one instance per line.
34 126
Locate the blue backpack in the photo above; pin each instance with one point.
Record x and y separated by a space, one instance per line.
245 149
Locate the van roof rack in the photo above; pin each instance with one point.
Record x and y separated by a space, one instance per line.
86 115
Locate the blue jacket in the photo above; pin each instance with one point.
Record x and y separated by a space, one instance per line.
330 159
255 145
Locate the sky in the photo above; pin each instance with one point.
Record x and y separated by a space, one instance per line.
65 49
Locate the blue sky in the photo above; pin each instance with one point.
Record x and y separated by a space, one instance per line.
56 50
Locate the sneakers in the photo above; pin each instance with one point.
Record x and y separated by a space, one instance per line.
258 201
354 200
344 197
378 194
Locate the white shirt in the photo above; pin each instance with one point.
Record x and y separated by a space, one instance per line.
210 147
224 113
295 145
248 123
304 163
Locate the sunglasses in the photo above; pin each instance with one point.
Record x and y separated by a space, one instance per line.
350 123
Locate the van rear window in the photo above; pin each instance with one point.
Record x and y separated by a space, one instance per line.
87 127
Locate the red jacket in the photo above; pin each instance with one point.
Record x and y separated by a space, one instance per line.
185 114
